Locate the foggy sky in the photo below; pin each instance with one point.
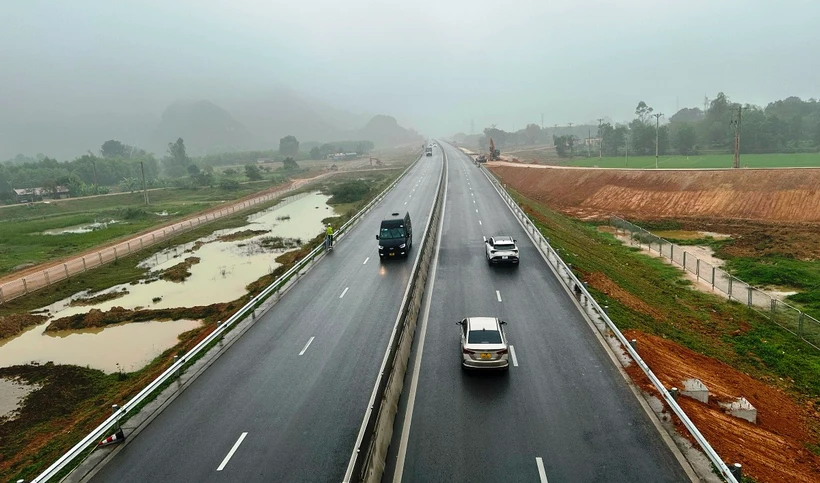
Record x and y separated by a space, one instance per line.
432 64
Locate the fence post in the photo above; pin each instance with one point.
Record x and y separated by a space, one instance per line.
140 243
99 254
774 308
697 268
65 266
116 257
684 259
1 296
45 272
672 253
713 278
25 286
730 287
749 296
129 247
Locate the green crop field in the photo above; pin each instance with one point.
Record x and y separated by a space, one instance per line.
22 227
798 160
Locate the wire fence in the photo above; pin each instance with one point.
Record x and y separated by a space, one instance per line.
786 316
78 265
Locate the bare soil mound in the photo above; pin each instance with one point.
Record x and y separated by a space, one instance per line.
782 195
774 449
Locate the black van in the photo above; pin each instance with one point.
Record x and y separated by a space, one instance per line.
395 236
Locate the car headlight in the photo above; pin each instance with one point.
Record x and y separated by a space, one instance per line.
381 247
403 245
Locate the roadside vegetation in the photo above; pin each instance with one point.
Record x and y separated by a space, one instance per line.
41 433
726 331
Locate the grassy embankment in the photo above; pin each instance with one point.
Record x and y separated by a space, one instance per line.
22 241
797 160
726 331
45 428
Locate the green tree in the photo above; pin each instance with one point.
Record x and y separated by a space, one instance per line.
289 163
177 161
114 149
643 111
315 153
193 169
289 146
684 137
252 172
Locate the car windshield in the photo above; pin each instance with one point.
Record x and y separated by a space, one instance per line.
484 337
504 246
391 233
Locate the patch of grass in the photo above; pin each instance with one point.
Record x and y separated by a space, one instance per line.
21 227
726 331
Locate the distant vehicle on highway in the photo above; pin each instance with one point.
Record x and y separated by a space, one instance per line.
501 249
484 343
428 151
395 236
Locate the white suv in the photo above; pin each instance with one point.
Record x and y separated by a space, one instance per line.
501 249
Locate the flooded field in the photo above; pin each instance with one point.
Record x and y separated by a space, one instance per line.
84 228
11 393
228 260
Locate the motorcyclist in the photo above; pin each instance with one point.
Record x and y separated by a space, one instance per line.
329 236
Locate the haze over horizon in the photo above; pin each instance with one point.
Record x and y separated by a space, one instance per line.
434 66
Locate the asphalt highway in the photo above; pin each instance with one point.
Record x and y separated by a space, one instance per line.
562 413
286 401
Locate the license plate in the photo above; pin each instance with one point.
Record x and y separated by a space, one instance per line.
504 258
486 355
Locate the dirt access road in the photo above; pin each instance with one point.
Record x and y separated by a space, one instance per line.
35 278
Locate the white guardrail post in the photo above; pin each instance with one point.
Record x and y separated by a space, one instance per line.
176 368
574 284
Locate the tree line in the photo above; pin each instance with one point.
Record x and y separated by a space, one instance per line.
118 164
786 126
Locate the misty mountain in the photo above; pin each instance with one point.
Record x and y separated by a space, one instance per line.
385 131
205 127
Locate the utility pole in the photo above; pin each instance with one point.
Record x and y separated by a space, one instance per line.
657 129
737 136
144 189
589 143
542 120
600 140
626 138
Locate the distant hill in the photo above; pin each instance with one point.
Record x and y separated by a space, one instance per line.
205 127
385 131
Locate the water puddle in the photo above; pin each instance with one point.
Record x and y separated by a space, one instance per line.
84 228
12 394
127 346
228 261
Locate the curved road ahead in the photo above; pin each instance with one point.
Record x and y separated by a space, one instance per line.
563 412
286 401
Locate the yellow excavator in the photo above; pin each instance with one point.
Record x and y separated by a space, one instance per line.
494 153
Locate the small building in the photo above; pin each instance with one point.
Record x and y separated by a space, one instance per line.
29 195
351 155
264 160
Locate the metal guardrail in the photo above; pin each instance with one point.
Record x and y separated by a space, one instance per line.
576 285
367 461
175 369
781 313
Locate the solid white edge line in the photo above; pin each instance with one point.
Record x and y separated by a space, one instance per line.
232 451
541 473
498 295
365 260
344 292
411 398
512 354
484 237
308 345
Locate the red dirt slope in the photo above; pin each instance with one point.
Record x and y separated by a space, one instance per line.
783 195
